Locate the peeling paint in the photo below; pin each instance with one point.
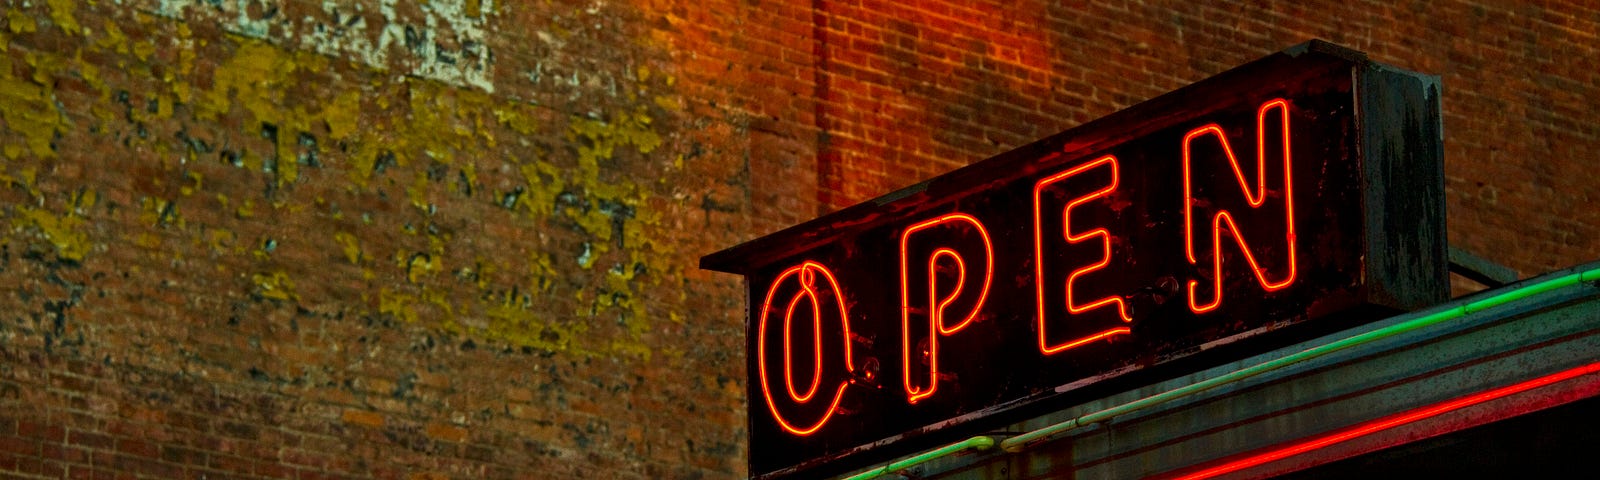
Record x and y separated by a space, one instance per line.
351 246
159 212
20 22
27 106
246 210
222 241
64 232
418 265
443 40
112 38
61 12
253 79
397 304
512 321
275 286
395 139
196 179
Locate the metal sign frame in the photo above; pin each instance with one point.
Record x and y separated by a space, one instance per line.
1190 229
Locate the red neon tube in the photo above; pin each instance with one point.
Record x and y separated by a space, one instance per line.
1392 421
1224 219
937 305
806 274
1101 233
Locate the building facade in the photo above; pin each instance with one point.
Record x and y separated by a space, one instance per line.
458 238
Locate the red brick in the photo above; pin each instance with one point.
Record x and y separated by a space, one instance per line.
19 445
138 448
89 439
779 112
56 451
363 418
447 432
183 456
145 467
41 431
52 469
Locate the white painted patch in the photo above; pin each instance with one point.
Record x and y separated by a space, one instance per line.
408 45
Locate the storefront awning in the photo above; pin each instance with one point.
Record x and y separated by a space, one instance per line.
1476 360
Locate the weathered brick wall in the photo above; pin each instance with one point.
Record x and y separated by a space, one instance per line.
917 88
457 238
289 240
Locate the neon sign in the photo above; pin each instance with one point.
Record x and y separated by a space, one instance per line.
1044 270
801 281
1224 218
1294 193
927 350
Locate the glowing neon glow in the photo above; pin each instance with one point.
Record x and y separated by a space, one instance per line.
1105 240
1392 421
806 274
938 306
1090 338
961 278
807 291
1107 266
1255 198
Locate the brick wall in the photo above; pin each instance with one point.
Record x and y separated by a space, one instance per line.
457 238
289 240
918 88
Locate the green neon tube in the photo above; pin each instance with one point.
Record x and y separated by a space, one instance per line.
1019 442
976 443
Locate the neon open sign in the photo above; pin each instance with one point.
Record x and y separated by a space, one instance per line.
1305 185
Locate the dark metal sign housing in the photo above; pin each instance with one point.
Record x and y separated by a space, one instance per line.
1191 228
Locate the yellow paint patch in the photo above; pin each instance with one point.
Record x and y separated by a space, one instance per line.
417 122
112 38
20 22
28 108
420 265
195 179
84 200
30 180
352 248
221 240
143 50
186 56
511 321
275 285
146 240
246 210
343 115
159 212
64 232
255 79
62 12
632 129
397 304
